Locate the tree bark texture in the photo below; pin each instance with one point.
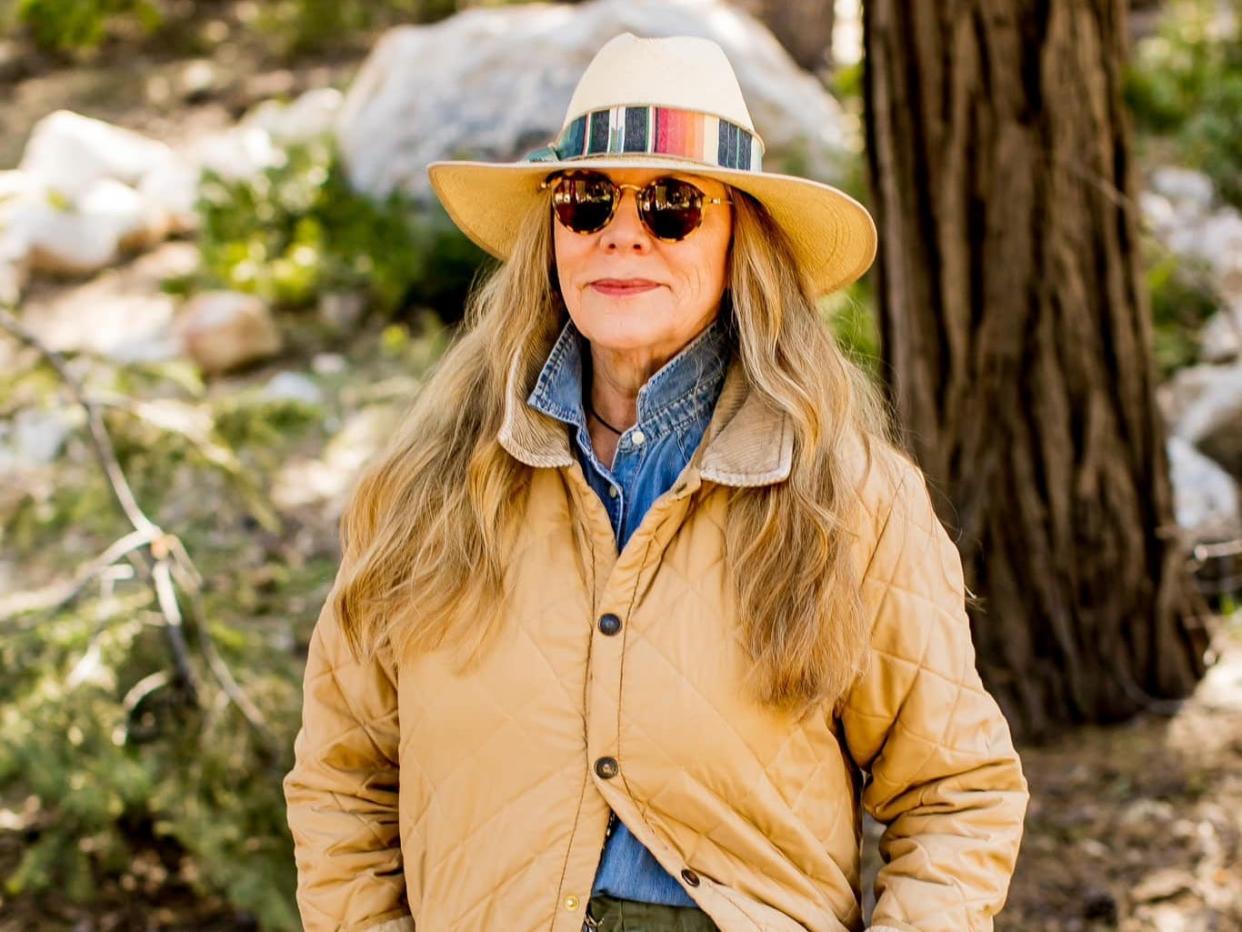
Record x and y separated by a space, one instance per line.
1016 338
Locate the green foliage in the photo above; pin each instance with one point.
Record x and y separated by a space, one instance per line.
105 767
68 26
851 315
285 28
1180 304
250 421
1186 83
298 27
106 776
298 231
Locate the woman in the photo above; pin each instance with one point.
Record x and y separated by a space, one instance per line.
642 607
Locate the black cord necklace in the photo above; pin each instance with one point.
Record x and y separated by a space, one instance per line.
591 411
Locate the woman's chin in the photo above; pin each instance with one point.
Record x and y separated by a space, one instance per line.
625 324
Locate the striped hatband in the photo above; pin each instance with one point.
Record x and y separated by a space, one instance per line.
692 134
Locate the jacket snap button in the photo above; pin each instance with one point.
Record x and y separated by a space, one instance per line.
606 767
690 877
609 623
571 902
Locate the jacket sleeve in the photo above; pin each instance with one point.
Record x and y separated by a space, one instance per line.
342 792
944 777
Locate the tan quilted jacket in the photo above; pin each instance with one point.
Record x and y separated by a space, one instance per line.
423 799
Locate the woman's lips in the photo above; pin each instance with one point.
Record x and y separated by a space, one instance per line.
620 287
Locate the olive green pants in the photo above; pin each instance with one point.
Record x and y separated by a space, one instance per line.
617 915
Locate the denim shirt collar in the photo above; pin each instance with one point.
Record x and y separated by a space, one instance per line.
683 389
748 441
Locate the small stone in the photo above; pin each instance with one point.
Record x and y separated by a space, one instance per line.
1184 186
223 330
292 386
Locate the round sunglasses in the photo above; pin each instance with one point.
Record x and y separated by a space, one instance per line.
586 201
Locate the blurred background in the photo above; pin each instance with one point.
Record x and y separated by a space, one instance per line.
222 277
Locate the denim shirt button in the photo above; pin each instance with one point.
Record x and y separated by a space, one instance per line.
638 438
613 491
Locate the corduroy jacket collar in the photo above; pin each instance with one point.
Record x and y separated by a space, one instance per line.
747 442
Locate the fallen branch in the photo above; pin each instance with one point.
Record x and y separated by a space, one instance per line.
163 551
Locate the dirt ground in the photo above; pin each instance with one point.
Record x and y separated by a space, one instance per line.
1139 827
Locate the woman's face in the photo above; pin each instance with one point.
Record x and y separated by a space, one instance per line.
675 288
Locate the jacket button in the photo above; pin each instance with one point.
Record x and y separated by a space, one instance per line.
609 623
571 902
690 877
606 767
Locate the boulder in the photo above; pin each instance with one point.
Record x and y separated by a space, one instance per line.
1205 497
1191 191
1220 340
68 153
493 83
85 192
122 313
1203 406
223 330
238 153
83 237
310 116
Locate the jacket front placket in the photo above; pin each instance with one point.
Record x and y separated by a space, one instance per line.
617 582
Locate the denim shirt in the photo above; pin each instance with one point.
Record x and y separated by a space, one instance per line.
674 408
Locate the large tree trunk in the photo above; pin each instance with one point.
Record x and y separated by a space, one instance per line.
1015 327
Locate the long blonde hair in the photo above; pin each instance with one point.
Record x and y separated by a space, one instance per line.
424 535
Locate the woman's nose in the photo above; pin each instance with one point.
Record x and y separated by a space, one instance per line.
626 230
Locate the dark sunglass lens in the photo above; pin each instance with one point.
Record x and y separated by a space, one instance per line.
583 202
673 209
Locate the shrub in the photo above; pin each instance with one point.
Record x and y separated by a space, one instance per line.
298 231
1186 83
68 26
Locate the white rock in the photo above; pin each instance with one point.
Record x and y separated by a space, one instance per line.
493 83
292 386
1158 211
222 330
77 239
237 154
1184 186
328 478
328 363
1203 405
1220 340
1221 246
1205 496
69 152
121 313
13 184
170 191
311 115
34 437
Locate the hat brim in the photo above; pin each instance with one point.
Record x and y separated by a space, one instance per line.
833 235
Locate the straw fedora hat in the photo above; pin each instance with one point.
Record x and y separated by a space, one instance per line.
670 103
